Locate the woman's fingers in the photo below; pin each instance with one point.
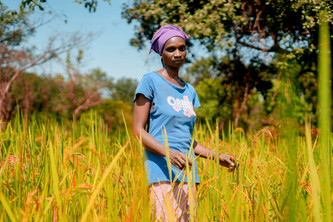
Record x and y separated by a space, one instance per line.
232 158
182 160
177 164
228 161
188 161
178 159
232 166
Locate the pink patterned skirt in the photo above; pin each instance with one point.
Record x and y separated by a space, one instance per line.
170 201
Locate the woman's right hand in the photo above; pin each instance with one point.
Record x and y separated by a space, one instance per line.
178 159
228 161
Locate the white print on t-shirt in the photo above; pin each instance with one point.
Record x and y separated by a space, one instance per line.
182 104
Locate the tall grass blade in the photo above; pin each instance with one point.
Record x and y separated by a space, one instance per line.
314 178
126 129
7 207
191 182
101 183
325 103
55 178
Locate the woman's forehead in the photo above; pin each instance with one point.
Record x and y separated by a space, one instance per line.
175 41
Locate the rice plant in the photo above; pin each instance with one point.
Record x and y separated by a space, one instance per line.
50 171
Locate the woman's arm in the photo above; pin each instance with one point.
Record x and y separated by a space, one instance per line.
225 160
140 117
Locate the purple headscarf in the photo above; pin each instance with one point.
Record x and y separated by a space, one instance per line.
163 35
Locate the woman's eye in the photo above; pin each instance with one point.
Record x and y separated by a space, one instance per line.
170 49
182 48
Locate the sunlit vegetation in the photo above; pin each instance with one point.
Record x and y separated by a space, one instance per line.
55 166
49 172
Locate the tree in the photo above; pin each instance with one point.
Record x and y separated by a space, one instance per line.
124 90
246 33
80 92
268 25
112 112
15 58
31 93
91 5
226 87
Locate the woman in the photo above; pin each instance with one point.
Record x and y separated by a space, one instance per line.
164 103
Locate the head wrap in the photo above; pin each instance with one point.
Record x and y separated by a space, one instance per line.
163 35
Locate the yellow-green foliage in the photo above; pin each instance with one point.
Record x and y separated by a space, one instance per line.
49 172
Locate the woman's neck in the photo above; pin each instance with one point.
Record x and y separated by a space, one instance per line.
169 72
172 76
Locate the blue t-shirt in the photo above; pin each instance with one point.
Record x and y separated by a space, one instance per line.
172 112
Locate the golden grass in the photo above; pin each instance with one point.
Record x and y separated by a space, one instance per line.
51 173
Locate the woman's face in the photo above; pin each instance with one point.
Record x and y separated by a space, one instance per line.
174 52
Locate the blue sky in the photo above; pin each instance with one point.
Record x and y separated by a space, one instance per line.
110 50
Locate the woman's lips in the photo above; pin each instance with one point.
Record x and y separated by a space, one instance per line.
178 61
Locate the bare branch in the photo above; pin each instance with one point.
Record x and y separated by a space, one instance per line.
243 104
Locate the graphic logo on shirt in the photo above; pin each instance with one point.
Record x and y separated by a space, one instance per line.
182 104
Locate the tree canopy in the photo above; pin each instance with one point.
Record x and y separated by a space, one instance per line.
91 5
252 46
267 25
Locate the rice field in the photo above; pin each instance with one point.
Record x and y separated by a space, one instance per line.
51 173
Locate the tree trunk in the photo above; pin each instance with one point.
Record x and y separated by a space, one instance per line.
28 99
3 110
4 99
242 105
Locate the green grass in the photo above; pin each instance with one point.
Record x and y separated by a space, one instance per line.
49 172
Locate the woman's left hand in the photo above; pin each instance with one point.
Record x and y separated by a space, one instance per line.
228 161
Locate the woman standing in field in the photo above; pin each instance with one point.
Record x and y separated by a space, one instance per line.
165 104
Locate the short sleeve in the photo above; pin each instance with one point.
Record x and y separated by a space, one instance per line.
196 102
144 88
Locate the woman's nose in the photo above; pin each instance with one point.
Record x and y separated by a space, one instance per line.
177 53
